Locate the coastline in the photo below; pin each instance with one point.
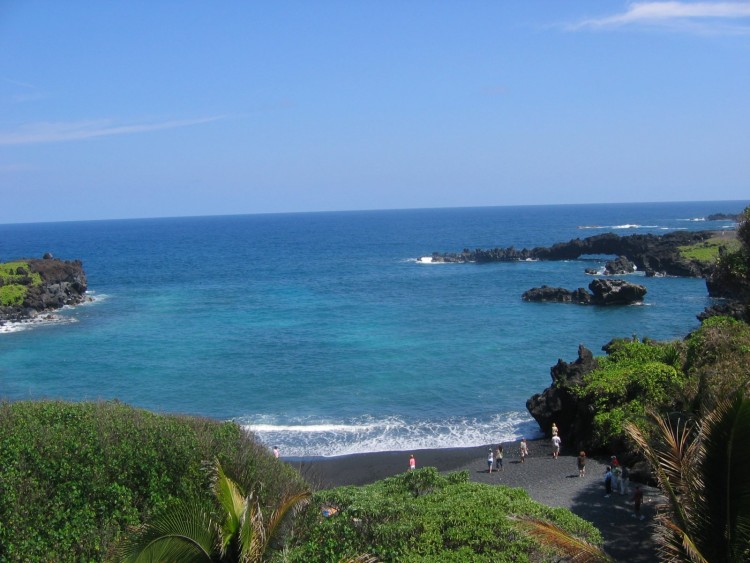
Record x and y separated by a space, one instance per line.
553 482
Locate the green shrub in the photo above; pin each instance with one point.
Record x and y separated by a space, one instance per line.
12 294
633 377
424 516
718 360
15 279
73 476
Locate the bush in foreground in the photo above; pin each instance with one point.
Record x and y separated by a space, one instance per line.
74 476
424 516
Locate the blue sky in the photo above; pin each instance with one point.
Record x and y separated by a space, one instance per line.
150 109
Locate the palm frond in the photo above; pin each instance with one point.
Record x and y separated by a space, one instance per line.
234 504
252 535
364 558
680 546
183 534
563 541
725 436
663 471
293 502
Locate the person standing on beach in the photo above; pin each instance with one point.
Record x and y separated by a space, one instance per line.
523 449
608 482
616 474
554 429
582 464
490 461
556 446
499 457
412 463
276 452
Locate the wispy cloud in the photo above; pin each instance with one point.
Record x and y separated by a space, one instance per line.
57 132
28 92
700 17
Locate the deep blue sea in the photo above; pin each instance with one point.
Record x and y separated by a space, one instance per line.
321 331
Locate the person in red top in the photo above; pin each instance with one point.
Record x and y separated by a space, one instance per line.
412 463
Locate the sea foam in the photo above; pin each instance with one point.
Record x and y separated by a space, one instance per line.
370 434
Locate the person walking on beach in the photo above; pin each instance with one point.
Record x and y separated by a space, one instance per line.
499 457
608 482
637 501
582 464
523 450
556 446
490 460
412 463
554 429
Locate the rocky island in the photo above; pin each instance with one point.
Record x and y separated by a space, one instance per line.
30 287
603 292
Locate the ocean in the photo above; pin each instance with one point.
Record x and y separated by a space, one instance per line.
322 332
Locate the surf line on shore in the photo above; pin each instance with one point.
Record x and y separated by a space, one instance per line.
329 438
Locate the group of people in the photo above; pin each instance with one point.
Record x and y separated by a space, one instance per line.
616 479
495 458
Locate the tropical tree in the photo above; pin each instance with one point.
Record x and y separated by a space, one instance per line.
702 469
189 534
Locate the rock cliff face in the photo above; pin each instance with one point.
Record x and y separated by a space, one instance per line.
34 286
603 292
650 253
558 403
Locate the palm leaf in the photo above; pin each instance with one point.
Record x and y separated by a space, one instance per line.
682 550
253 533
293 502
666 458
184 534
233 502
725 437
563 541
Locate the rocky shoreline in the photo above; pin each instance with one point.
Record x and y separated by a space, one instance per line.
34 287
653 254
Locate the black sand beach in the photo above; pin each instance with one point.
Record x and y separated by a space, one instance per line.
554 482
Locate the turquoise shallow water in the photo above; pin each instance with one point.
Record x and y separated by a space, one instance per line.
321 332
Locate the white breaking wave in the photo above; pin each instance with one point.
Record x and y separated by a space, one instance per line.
625 226
53 318
314 438
47 319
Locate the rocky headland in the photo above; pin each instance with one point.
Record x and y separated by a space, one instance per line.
31 287
653 254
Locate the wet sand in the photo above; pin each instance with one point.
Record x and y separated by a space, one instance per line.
553 482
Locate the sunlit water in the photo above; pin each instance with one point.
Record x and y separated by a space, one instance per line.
322 332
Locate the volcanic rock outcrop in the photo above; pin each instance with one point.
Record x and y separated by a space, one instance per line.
650 253
34 286
603 292
559 403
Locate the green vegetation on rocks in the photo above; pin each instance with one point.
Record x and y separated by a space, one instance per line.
709 251
634 377
425 516
15 279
